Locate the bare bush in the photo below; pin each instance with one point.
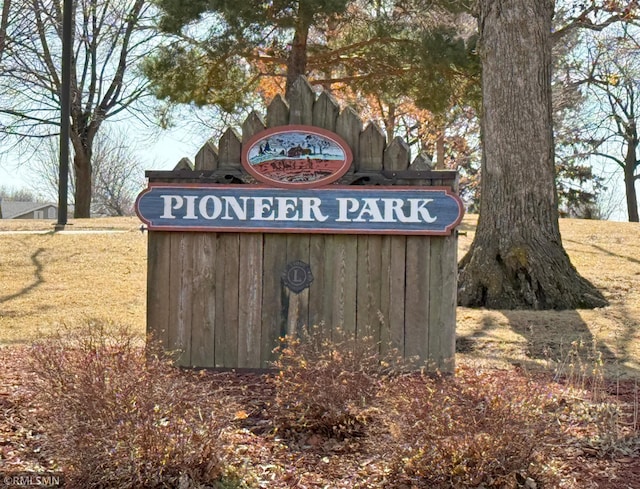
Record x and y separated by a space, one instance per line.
472 430
328 386
120 418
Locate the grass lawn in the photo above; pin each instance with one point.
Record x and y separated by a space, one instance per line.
95 272
50 279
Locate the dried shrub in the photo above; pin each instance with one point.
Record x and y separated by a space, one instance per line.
119 416
327 386
472 430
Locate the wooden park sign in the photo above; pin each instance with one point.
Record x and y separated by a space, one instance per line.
338 209
305 218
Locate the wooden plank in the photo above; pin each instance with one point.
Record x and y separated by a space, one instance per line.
226 333
443 301
421 163
298 303
369 285
301 98
229 150
319 287
207 157
345 264
377 284
397 155
251 126
417 298
278 112
349 127
273 318
204 301
328 288
325 112
181 289
397 288
183 164
250 301
371 148
384 338
158 280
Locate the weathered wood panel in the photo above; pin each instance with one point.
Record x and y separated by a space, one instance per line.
250 301
158 290
181 289
397 155
349 127
227 299
319 287
443 301
371 149
229 150
252 125
416 330
369 285
397 286
345 260
325 112
277 112
207 157
203 326
301 99
184 164
297 304
273 295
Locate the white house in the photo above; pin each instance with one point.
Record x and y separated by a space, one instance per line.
27 210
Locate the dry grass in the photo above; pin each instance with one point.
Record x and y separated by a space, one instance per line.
496 427
50 279
607 254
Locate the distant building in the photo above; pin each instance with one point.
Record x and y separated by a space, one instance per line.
27 210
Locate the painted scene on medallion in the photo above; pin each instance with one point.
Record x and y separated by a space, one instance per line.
296 157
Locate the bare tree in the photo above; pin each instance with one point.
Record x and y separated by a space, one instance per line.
110 37
117 175
4 22
18 194
611 76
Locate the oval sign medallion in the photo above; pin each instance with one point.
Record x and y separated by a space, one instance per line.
296 156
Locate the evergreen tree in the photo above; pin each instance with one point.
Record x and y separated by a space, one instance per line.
222 51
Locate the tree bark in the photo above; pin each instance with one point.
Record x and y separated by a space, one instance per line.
631 163
82 137
297 62
4 23
517 260
83 184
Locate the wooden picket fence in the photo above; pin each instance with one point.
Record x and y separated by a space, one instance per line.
218 298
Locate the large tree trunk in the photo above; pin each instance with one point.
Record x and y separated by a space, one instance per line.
516 259
631 163
83 184
297 62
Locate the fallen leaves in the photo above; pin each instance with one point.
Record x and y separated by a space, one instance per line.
267 459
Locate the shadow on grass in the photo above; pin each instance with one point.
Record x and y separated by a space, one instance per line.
605 251
549 339
39 279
